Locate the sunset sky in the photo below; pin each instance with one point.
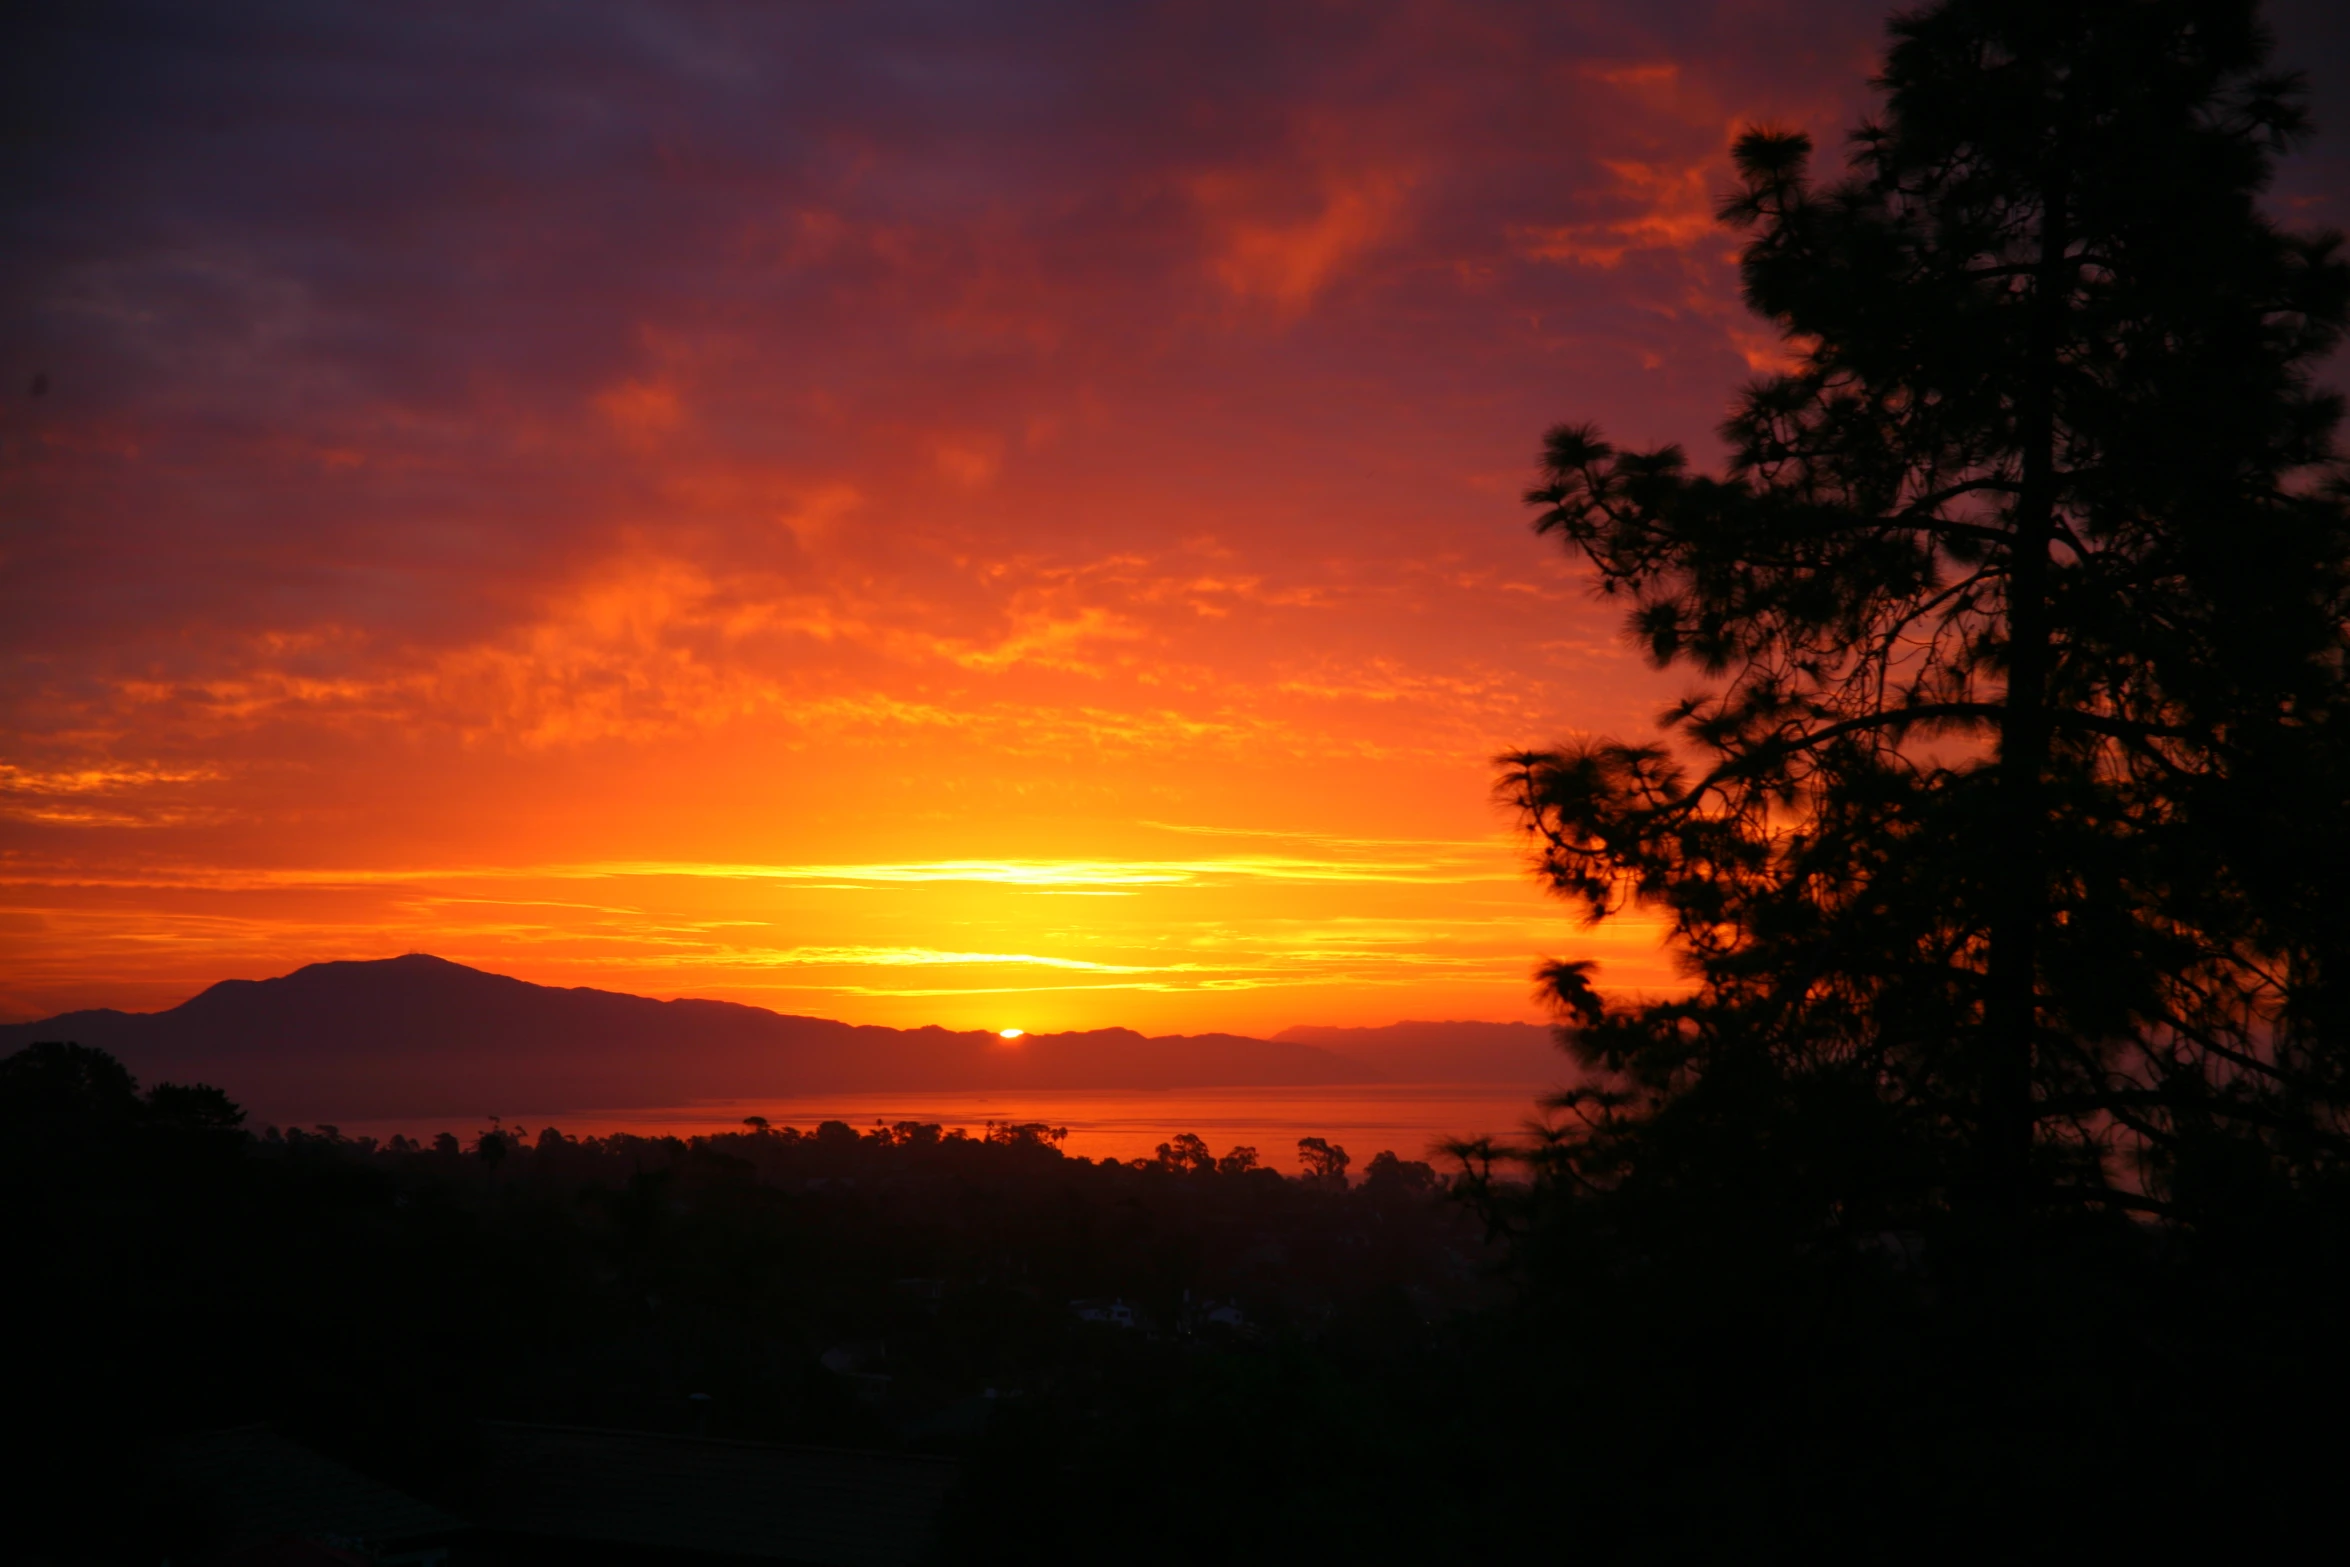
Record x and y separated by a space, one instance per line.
993 515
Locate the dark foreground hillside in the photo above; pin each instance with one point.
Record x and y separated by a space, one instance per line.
999 1353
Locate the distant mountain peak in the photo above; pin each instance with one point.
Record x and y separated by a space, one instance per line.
368 1038
418 1034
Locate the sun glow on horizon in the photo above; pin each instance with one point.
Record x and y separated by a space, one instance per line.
1011 1033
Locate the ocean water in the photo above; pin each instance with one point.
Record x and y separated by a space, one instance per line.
1407 1118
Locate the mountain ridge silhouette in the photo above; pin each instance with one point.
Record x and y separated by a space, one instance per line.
420 1035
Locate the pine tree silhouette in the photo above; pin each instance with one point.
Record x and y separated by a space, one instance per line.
2002 844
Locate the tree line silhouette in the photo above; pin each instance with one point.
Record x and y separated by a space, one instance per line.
904 1286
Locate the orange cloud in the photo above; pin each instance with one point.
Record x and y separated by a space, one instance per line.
643 411
1286 258
1672 209
1631 73
969 461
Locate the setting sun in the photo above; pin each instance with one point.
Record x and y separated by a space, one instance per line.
1011 1033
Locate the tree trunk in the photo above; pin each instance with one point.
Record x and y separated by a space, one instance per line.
2012 989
